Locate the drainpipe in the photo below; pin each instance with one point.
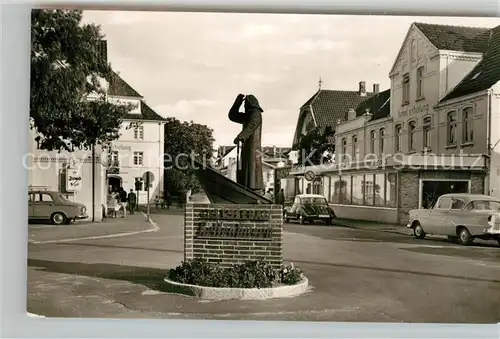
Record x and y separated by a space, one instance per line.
93 182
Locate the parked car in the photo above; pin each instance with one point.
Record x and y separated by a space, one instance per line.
462 217
54 206
309 208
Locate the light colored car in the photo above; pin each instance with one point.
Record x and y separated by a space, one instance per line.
462 217
54 206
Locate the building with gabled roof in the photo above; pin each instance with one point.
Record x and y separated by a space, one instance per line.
139 149
435 131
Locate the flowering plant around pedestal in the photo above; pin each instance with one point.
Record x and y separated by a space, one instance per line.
251 274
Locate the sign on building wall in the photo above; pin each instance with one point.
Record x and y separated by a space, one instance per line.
73 179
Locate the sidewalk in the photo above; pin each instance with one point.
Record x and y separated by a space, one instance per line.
133 223
373 226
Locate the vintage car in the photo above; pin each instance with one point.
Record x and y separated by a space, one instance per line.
54 206
462 217
309 208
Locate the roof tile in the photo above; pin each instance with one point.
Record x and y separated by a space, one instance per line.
485 74
378 105
119 87
456 38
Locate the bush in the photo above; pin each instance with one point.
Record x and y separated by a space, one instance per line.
251 274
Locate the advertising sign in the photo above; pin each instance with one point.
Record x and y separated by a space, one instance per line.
73 179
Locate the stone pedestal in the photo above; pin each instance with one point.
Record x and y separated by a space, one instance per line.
230 234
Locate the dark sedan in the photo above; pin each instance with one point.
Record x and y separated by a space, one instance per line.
309 208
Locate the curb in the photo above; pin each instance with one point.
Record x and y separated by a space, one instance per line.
403 231
225 293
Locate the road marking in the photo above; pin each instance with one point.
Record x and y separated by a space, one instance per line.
154 228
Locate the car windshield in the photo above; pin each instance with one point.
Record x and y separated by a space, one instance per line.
483 205
315 201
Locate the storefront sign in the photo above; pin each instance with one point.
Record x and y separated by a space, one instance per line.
73 179
232 230
234 214
417 109
121 147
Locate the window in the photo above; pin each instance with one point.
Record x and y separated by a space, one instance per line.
139 132
114 156
43 197
452 128
398 132
138 158
357 189
483 205
457 204
368 189
354 144
411 135
372 141
444 203
391 190
344 148
420 82
467 124
381 134
406 88
427 133
379 189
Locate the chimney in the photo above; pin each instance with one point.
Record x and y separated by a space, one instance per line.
351 114
362 88
103 51
376 88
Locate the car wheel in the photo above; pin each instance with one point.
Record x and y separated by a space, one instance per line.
58 218
452 239
329 221
464 236
418 231
301 220
287 219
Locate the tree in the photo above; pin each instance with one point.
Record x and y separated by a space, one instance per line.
185 141
314 144
68 105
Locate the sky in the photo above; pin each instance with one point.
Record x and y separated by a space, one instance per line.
193 65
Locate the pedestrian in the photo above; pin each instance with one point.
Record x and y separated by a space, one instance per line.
113 204
123 201
131 201
280 198
168 199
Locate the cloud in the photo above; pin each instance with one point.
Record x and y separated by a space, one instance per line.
253 31
183 108
256 77
243 33
317 45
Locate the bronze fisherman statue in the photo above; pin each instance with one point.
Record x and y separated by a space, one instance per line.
249 171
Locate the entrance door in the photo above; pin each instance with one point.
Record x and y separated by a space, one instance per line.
433 189
115 183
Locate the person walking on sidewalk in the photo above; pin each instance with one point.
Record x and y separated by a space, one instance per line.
280 199
123 200
131 201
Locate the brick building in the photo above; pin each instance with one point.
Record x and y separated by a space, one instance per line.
427 135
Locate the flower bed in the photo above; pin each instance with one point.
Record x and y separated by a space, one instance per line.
251 274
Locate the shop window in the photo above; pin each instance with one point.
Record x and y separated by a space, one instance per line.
357 190
368 189
379 189
391 190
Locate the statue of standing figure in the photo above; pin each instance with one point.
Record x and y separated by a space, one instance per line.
249 171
